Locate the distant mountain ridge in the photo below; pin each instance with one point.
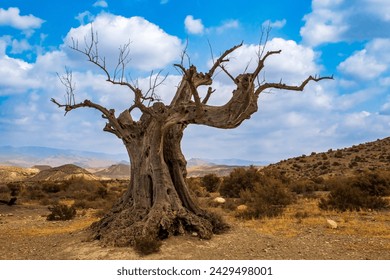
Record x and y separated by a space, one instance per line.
37 156
34 155
231 161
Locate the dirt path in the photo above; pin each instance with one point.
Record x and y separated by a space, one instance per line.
25 234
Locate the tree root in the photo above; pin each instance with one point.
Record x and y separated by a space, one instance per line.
123 228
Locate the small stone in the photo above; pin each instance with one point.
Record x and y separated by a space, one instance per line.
194 234
332 224
242 208
220 200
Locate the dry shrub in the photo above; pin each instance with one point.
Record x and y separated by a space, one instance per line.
195 185
211 182
266 200
61 212
218 223
147 245
15 188
362 192
238 180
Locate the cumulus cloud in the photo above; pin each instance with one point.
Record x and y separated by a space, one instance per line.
17 74
150 47
324 24
333 21
11 17
370 62
193 26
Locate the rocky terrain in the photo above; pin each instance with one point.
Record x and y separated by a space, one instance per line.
367 156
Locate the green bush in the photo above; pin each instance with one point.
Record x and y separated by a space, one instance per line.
266 200
211 182
61 212
238 180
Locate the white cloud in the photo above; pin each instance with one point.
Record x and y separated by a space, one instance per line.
85 17
150 47
102 4
380 8
326 23
20 46
17 74
278 24
230 24
12 17
334 21
370 62
193 26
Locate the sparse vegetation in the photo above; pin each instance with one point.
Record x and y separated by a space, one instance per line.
61 212
267 199
362 192
147 245
211 182
238 180
218 223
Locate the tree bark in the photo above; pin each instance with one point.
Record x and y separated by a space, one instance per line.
158 202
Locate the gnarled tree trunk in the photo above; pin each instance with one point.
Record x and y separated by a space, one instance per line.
158 203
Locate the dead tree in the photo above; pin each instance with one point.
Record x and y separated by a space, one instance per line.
158 202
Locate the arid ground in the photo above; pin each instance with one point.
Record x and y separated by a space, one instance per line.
25 234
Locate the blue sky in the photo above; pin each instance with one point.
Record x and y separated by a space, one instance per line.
347 39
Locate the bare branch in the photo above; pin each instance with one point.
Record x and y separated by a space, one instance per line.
227 73
207 97
301 87
211 51
155 82
185 54
260 64
262 47
70 86
222 59
123 60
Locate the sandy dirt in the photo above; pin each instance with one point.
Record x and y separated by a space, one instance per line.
25 234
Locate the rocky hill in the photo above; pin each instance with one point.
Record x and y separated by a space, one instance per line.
115 171
12 173
62 173
367 156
